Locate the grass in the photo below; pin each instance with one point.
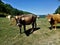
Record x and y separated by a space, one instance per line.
9 34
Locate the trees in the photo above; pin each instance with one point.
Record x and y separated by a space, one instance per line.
57 10
8 9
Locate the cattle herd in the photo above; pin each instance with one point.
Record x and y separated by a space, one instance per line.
24 20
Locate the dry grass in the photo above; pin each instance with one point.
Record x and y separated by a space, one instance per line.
9 34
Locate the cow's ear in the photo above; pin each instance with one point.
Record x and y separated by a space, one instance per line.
50 15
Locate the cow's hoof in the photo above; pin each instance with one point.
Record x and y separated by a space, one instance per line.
55 29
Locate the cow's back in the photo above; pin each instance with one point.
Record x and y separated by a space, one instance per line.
28 19
56 18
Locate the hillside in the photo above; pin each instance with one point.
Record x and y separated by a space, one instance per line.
42 16
8 9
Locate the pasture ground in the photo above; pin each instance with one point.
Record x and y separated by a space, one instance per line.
9 34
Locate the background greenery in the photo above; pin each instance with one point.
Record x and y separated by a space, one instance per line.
57 10
7 9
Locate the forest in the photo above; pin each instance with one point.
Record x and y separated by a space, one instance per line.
7 9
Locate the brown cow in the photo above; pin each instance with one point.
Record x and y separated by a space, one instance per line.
26 20
53 19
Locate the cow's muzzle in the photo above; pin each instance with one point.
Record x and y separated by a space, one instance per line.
18 24
49 20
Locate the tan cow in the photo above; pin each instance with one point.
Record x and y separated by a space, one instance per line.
53 19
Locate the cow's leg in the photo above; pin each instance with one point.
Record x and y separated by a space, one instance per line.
35 25
20 26
9 19
51 26
51 23
55 25
32 27
24 28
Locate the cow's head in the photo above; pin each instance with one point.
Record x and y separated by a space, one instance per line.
49 17
18 20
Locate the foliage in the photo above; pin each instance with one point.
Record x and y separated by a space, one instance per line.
57 10
8 9
42 16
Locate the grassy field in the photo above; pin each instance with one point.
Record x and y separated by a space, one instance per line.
9 34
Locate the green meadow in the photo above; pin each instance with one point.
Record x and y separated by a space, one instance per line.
9 34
